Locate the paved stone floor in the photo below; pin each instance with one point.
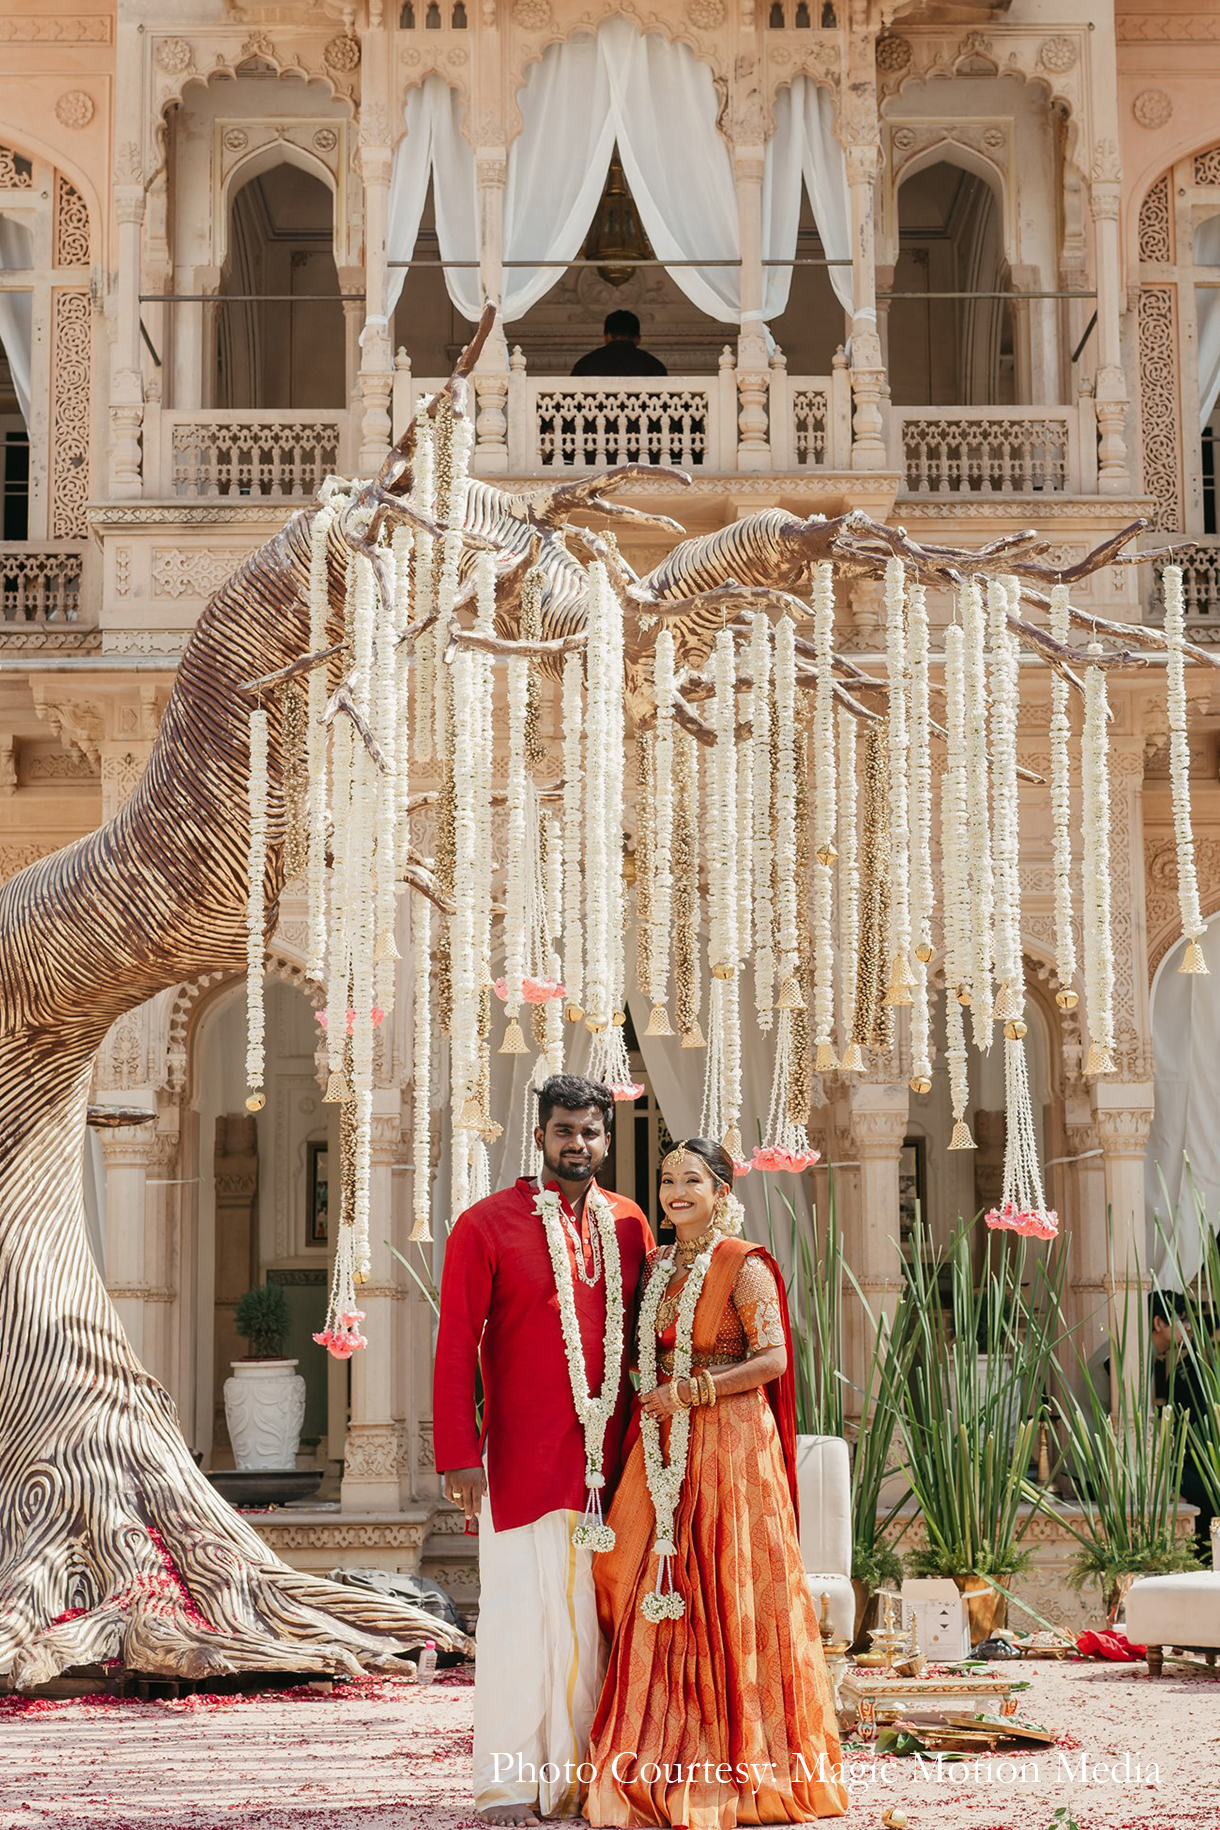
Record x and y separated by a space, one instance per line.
383 1756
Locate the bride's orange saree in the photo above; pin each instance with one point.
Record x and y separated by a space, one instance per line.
724 1716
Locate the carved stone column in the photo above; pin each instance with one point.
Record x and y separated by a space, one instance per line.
126 390
871 1123
235 1172
1110 391
376 1472
129 1152
1082 1222
753 359
1123 1117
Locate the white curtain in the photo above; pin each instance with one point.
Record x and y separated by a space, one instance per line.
1207 306
804 147
1185 1047
659 103
16 311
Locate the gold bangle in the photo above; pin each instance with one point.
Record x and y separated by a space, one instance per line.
684 1403
710 1386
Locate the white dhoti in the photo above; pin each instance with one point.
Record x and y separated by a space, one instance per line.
539 1664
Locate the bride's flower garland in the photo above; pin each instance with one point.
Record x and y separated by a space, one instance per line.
898 990
665 1477
762 837
592 1413
1179 770
662 885
920 826
1061 810
825 850
1098 939
978 771
955 867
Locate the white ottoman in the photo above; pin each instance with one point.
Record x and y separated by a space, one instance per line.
1181 1610
823 1481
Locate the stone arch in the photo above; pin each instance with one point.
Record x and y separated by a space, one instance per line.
192 1001
263 159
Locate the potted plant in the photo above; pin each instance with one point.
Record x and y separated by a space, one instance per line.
265 1398
958 1388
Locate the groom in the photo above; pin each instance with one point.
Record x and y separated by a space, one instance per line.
540 1659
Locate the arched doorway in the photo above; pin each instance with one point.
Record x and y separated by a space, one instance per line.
280 344
950 351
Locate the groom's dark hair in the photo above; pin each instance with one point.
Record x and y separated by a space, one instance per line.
574 1094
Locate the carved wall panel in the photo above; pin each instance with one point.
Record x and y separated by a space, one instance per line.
16 173
71 225
1156 223
1207 166
1158 362
71 332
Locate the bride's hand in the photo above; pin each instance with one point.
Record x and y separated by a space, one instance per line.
660 1403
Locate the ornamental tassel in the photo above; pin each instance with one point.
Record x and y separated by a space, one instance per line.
901 978
421 1092
786 1144
593 1533
256 912
1023 1206
1179 771
1098 939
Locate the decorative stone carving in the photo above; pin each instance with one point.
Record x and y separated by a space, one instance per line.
71 225
1152 108
1057 53
120 771
190 571
174 56
1107 166
235 139
532 15
1207 166
707 15
893 52
375 1452
264 1409
14 858
1158 371
75 108
55 28
1156 223
342 53
16 173
70 374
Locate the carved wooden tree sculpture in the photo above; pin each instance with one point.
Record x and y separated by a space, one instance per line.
112 1543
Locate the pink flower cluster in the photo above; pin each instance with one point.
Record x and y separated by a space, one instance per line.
1034 1222
534 991
626 1089
774 1156
324 1020
342 1341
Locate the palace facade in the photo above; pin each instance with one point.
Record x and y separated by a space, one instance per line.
957 265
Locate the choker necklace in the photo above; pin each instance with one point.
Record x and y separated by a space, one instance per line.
690 1249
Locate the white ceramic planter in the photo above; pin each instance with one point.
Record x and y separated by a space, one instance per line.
264 1409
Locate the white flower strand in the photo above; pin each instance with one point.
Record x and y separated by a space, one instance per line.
317 810
722 814
592 1413
1098 937
849 890
1179 770
762 838
423 478
573 823
602 829
553 1016
421 1090
900 976
665 1478
661 901
402 546
978 768
1061 808
955 873
919 784
516 888
825 850
387 704
785 853
256 908
1005 804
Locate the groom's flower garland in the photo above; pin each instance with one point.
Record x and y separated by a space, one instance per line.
665 1478
592 1413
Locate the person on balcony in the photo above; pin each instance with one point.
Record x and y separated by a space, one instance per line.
620 353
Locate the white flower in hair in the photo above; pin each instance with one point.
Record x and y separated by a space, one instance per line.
730 1216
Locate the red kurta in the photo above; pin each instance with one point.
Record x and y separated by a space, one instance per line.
499 1308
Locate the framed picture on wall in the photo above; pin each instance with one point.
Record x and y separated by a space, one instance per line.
317 1187
912 1189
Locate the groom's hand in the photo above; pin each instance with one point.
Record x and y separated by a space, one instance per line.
466 1487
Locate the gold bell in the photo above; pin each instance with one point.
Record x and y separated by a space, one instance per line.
1066 998
826 854
1015 1030
514 1042
255 1102
658 1022
920 1083
619 1018
386 947
692 1037
573 1012
1192 959
336 1089
790 996
731 1142
924 952
961 1139
1005 1004
722 972
825 1060
853 1059
1099 1060
963 997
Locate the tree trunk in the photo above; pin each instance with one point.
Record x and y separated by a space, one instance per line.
112 1543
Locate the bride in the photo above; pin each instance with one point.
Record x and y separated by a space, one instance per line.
717 1708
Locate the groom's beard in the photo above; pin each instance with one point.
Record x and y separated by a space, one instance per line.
570 1170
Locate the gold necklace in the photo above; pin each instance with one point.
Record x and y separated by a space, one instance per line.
690 1249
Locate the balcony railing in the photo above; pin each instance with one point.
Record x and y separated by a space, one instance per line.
994 451
714 425
40 583
1200 563
257 454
